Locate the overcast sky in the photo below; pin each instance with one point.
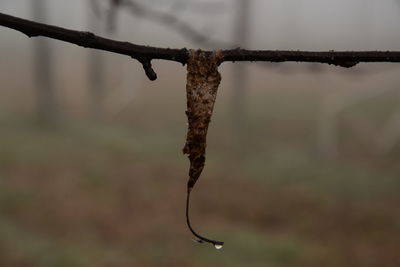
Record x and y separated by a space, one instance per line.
276 24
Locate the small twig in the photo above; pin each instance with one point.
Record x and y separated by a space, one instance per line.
94 4
170 19
210 7
148 69
89 40
112 15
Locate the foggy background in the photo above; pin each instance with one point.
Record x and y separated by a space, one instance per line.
302 161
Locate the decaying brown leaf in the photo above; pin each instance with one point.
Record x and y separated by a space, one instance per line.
203 80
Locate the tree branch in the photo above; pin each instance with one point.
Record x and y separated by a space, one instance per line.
144 54
170 19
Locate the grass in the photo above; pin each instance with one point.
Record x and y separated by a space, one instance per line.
112 194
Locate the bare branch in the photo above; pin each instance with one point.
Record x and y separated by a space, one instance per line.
145 54
211 7
345 59
112 15
168 18
95 7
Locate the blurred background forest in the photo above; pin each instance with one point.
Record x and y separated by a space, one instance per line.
302 162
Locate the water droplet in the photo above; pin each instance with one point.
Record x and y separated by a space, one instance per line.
218 246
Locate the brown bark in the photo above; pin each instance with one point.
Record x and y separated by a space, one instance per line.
144 54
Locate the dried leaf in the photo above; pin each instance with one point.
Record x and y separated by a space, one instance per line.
203 80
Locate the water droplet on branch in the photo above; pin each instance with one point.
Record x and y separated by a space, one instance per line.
218 246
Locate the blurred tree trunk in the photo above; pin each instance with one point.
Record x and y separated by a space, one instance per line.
334 104
47 110
240 75
96 69
291 19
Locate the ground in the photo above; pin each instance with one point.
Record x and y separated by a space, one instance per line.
112 193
